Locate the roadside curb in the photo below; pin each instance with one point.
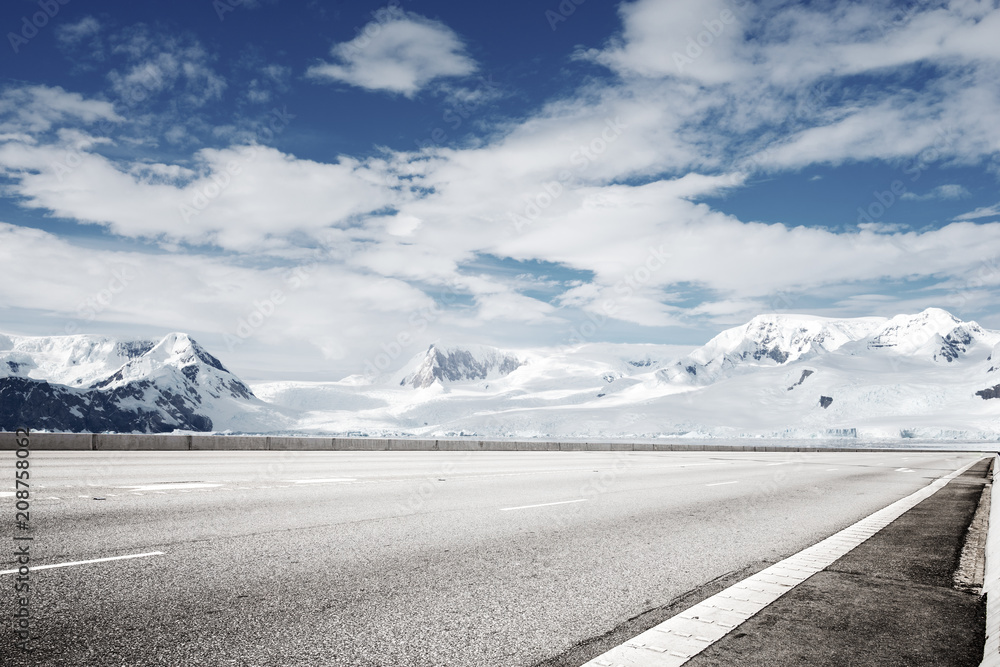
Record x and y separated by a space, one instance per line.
991 582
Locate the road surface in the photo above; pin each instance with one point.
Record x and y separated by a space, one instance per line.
405 558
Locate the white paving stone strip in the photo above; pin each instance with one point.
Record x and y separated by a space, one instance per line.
678 639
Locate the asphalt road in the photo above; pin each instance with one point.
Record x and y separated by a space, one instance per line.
404 559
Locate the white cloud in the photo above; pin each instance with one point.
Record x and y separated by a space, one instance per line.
793 44
239 198
603 184
71 34
157 63
981 212
36 109
399 53
678 38
948 191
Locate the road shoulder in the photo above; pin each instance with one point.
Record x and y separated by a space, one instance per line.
889 602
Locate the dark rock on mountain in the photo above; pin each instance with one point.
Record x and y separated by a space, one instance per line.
989 392
805 374
457 365
55 407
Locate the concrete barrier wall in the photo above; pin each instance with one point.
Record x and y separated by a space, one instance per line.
411 445
129 442
228 442
536 446
167 442
360 444
498 445
49 441
297 444
458 445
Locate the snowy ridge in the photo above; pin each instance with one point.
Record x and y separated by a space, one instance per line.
451 363
928 375
767 340
792 376
76 361
98 383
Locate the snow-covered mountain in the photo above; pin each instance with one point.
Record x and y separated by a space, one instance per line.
776 340
928 375
98 383
767 340
451 363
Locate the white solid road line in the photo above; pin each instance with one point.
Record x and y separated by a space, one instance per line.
723 483
6 494
34 568
525 507
319 481
678 639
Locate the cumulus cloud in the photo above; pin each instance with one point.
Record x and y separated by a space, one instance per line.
240 198
398 53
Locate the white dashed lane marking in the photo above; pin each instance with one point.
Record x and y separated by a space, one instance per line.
526 507
173 486
35 568
678 639
723 483
329 480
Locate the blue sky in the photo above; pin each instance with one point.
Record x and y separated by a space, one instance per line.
304 186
